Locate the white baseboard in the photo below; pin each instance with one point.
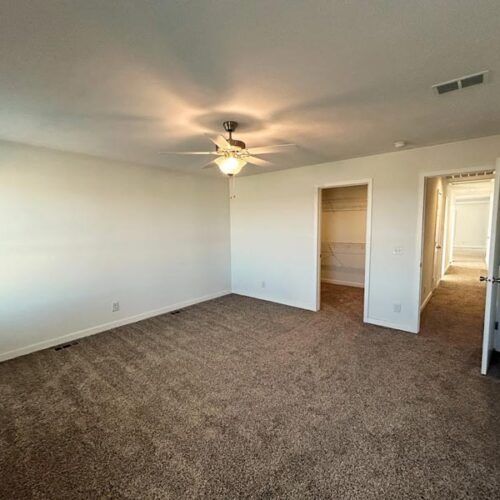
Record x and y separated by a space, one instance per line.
425 302
344 283
394 326
68 337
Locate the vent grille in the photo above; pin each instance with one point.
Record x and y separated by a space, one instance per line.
447 87
65 346
461 83
471 175
472 80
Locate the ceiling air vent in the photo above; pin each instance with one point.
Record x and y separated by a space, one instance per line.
461 83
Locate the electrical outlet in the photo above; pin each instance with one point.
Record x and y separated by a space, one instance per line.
263 284
116 306
396 307
397 251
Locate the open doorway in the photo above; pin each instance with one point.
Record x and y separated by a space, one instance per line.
344 231
457 228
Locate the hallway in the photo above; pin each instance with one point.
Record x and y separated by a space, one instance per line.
455 313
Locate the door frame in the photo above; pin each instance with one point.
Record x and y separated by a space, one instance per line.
491 302
368 182
438 254
447 255
419 254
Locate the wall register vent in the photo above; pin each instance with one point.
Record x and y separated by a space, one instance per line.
65 346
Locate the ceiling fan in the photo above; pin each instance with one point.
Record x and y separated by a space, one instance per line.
232 154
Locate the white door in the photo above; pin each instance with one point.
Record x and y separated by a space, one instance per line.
438 241
493 274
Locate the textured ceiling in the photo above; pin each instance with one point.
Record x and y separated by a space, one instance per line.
125 79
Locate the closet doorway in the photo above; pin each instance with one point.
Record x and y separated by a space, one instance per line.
344 237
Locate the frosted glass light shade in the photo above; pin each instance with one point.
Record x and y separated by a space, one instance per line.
230 165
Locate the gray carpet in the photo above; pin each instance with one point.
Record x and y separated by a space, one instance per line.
238 397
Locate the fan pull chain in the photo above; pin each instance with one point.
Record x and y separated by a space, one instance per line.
232 187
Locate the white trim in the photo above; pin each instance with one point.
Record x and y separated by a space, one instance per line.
445 235
488 238
387 324
490 311
438 239
343 283
424 303
38 346
368 182
453 222
420 228
318 198
298 305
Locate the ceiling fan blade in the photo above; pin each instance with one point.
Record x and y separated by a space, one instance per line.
209 164
258 161
276 148
220 141
188 153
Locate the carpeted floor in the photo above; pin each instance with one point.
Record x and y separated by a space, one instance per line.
455 313
238 397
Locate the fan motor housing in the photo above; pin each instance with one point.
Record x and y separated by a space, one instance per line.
237 143
230 126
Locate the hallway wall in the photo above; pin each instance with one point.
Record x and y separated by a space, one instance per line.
471 228
434 216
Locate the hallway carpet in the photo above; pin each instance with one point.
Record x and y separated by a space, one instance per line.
241 398
455 313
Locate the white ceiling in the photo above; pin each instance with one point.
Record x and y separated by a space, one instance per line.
127 78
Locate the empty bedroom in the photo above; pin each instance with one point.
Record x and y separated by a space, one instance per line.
249 249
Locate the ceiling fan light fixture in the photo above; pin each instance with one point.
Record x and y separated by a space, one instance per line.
230 165
233 154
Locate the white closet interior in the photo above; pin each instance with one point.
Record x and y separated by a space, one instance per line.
343 234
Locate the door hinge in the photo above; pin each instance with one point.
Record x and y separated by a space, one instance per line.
496 325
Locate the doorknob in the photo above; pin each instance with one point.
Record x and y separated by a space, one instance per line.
439 247
491 280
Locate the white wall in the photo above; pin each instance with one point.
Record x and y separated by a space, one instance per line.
471 224
461 191
434 195
77 233
273 216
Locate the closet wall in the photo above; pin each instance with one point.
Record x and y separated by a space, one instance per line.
343 234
